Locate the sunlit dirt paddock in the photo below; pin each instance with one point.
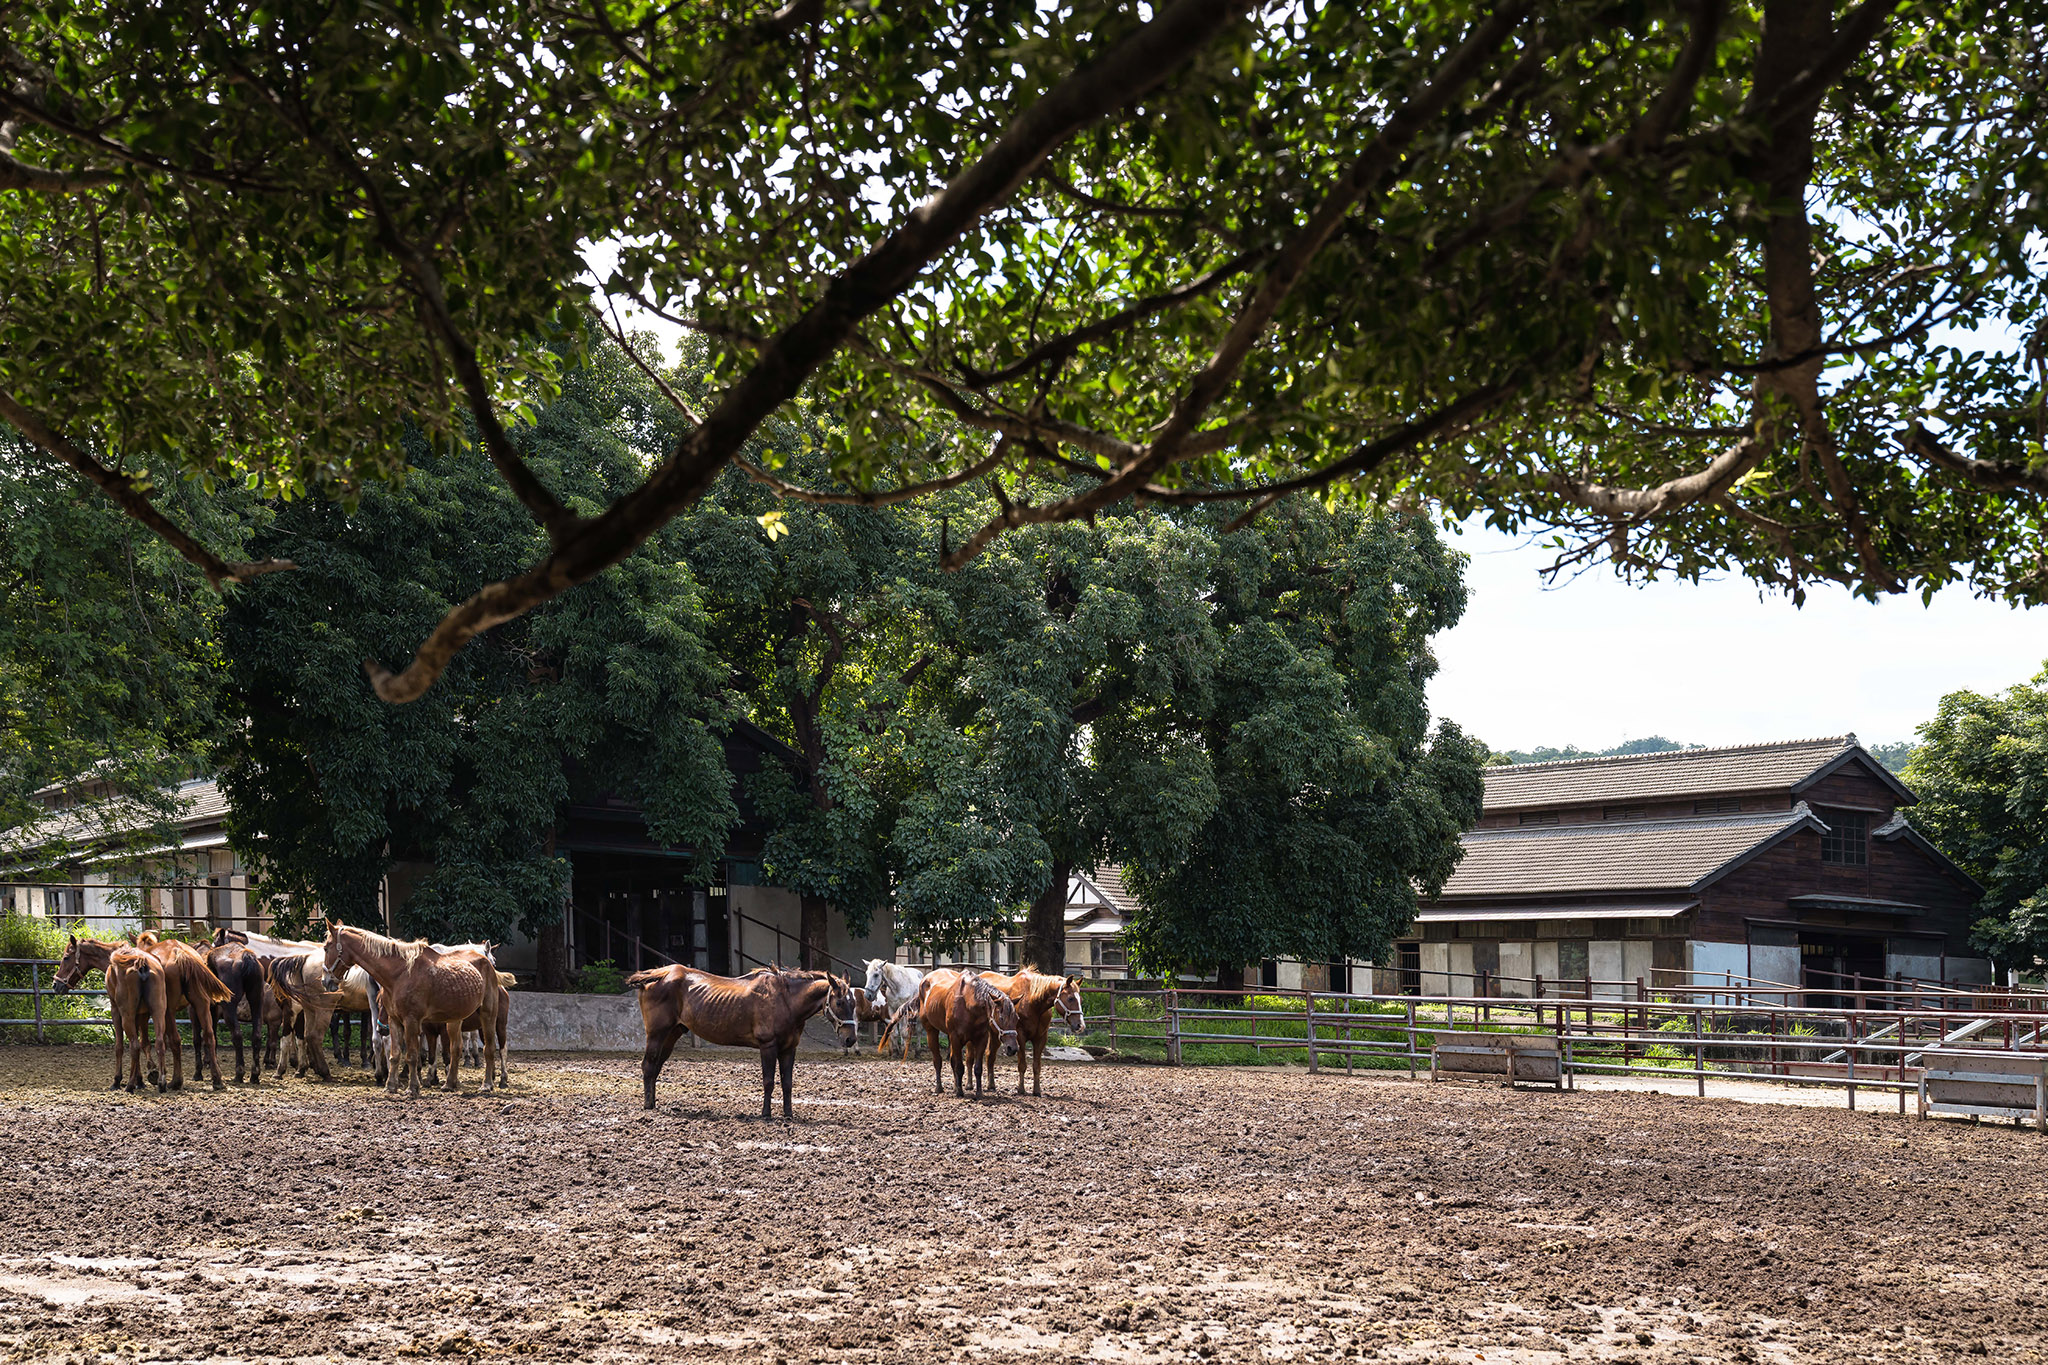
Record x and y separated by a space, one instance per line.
1129 1214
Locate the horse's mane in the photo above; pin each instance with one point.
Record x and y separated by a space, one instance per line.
994 999
407 951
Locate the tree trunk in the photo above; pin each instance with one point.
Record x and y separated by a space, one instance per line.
815 944
551 957
1230 976
1045 928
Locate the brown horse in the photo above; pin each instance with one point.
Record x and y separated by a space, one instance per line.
974 1018
136 998
1038 998
495 1014
765 1010
417 989
189 985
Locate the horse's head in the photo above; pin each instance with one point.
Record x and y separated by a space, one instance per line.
878 982
72 967
1069 1002
1002 1014
336 956
839 1009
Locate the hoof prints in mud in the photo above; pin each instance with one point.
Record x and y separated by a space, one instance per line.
1130 1214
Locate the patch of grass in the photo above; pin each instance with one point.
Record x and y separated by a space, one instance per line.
27 936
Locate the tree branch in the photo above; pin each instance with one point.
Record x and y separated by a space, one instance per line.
782 488
1134 67
1361 180
127 494
19 175
1998 476
1640 503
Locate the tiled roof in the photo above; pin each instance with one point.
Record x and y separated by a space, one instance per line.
203 804
1676 773
1625 855
1108 883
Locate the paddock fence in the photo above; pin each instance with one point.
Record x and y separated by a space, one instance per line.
1875 1048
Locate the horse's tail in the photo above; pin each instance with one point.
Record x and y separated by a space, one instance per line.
201 984
507 980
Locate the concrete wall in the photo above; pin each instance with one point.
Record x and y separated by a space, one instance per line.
1435 959
1780 962
1516 960
1605 964
1708 961
545 1022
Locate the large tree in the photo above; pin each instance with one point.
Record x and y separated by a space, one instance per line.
1981 773
1337 805
611 691
110 675
1705 284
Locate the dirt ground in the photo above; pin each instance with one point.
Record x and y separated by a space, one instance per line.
1130 1214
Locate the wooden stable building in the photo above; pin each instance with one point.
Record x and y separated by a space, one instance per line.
1790 863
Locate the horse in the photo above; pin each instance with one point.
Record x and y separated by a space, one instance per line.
868 1009
241 971
189 986
303 1008
895 986
418 989
357 995
494 1014
1037 998
973 1016
136 998
765 1010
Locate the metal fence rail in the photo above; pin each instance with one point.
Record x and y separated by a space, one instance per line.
35 991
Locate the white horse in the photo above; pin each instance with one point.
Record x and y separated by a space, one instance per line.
892 987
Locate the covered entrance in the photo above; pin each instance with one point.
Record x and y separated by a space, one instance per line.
1836 965
638 910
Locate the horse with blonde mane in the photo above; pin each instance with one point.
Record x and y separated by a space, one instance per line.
766 1010
1038 998
418 989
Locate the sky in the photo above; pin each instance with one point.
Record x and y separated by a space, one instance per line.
1595 661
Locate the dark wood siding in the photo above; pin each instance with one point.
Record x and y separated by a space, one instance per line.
1763 887
1855 787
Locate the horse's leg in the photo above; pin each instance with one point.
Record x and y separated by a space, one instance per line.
487 1035
120 1043
768 1051
938 1062
1037 1062
788 1060
165 1022
177 1047
659 1045
315 1053
504 1025
414 1040
451 1042
955 1046
210 1044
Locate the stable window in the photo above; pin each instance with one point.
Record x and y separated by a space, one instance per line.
1846 841
1624 812
1539 817
1725 805
1106 952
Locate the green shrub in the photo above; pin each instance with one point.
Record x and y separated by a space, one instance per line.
602 977
27 936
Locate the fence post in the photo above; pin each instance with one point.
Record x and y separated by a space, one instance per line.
35 988
1411 1039
1539 985
1172 1026
1699 1053
1853 1031
1310 1017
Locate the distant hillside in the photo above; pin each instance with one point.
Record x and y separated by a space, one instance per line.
1654 744
1894 756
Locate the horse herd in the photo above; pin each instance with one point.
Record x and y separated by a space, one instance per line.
418 994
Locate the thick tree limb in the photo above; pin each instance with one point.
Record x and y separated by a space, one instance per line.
1641 503
127 495
19 175
1998 476
1124 74
782 488
1363 178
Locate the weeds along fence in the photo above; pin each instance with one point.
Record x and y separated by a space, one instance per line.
1876 1048
29 950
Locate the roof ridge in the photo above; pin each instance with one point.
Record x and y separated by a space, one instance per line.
1725 818
1844 740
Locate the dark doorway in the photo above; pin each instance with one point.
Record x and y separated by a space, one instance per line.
1411 967
638 911
1269 974
1833 966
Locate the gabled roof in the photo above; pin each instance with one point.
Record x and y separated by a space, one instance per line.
1097 893
1787 766
1618 856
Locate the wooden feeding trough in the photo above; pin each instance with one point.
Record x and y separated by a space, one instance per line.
2006 1085
1510 1056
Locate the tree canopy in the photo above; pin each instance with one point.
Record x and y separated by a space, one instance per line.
611 690
1981 773
1699 284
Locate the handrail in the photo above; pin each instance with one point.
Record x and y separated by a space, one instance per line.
780 933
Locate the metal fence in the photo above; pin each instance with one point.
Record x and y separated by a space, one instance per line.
40 970
1858 1050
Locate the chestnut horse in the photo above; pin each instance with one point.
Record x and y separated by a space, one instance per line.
765 1010
417 989
1038 998
974 1017
136 998
189 985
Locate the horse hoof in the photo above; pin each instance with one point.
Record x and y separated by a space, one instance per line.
115 1086
175 1085
217 1085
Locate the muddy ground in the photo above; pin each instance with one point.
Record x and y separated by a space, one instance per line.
1130 1214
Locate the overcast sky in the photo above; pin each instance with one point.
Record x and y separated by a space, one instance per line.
1593 662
